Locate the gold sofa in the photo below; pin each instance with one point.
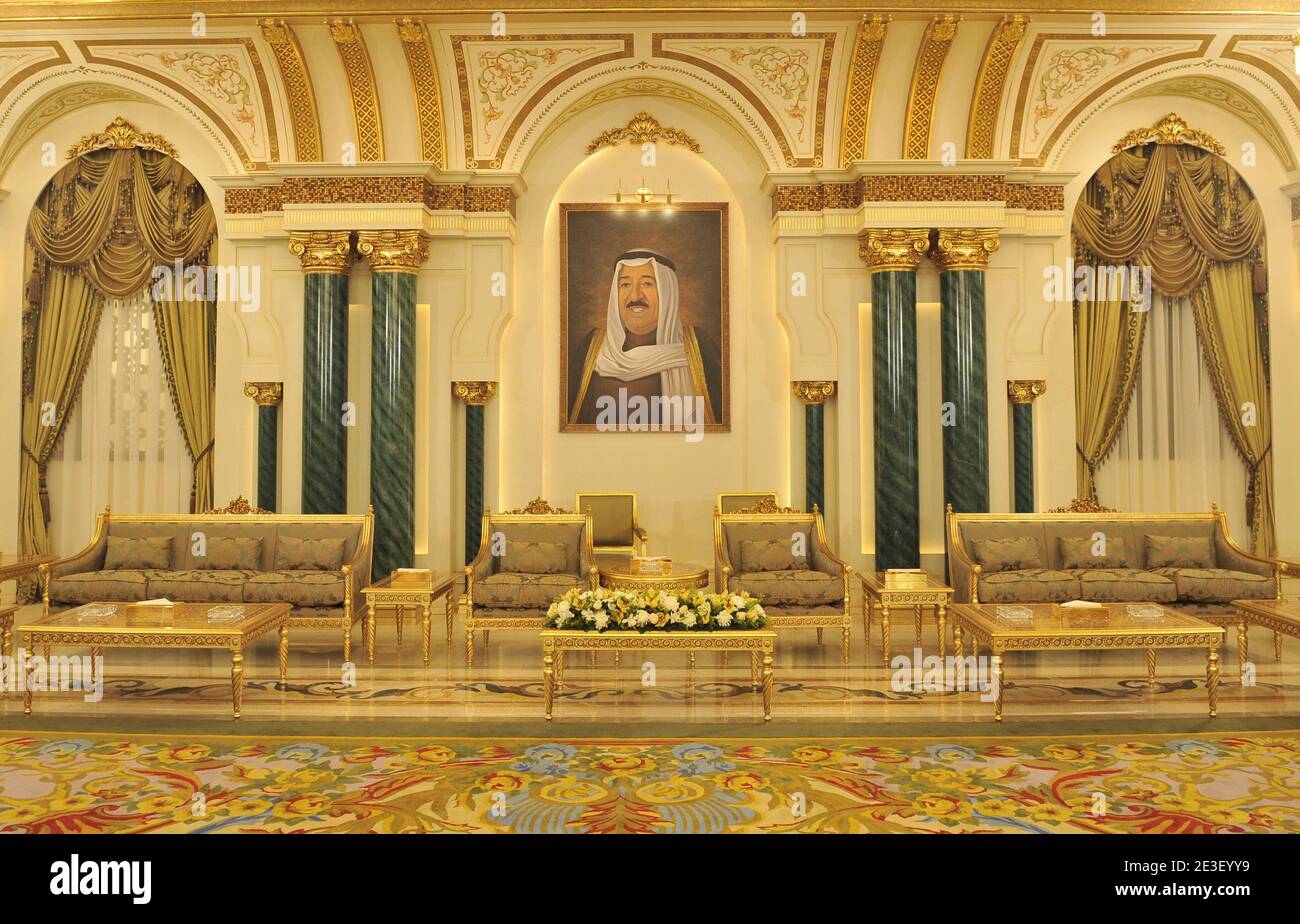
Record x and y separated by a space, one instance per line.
815 595
1186 561
615 527
499 593
322 597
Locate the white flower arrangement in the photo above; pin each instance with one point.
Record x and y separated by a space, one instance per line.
604 610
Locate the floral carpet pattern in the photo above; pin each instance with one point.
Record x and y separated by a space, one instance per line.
56 782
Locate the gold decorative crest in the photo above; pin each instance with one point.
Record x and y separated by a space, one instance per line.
322 251
884 249
1083 505
1024 391
393 251
643 128
964 248
120 135
767 505
240 505
536 506
813 392
474 392
1170 130
264 393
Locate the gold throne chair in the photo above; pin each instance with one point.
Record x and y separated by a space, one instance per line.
614 524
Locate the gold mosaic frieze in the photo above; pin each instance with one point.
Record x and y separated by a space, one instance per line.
322 251
297 85
964 248
393 251
816 197
367 190
428 97
361 88
925 85
1035 198
253 200
887 249
861 86
990 84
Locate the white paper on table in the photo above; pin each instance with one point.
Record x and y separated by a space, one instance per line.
160 601
1084 604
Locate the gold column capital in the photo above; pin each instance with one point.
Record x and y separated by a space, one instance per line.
264 393
322 251
813 392
1024 391
474 392
393 251
964 248
885 249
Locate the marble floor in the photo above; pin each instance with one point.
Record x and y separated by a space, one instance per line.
811 685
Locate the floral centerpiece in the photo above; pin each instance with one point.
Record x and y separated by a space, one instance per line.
604 610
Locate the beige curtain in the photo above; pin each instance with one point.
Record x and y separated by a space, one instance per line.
1231 334
1107 348
61 345
187 338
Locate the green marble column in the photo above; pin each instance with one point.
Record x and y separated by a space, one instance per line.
267 396
1022 394
475 395
395 258
962 255
893 256
326 257
814 396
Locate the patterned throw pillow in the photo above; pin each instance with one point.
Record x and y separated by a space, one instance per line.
770 555
534 557
1080 552
309 554
126 553
1180 552
227 554
1015 554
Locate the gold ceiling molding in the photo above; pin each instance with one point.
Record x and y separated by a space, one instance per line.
264 394
889 249
58 103
428 98
322 251
963 248
480 393
814 392
121 134
990 85
935 43
1170 130
861 84
47 54
643 129
1024 391
1283 78
297 85
393 251
361 88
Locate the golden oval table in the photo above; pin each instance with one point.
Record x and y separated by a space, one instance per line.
683 576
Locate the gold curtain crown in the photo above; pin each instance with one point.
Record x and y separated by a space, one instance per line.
1170 130
120 135
644 128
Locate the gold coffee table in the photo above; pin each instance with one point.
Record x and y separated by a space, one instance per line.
400 590
1090 629
683 576
758 642
1282 616
181 625
881 596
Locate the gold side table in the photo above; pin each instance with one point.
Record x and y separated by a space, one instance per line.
408 588
682 576
884 597
1281 616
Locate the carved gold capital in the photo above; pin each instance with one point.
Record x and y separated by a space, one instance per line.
885 249
474 392
1024 391
121 134
813 392
322 251
964 248
264 393
393 251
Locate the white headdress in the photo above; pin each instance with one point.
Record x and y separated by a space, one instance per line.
667 355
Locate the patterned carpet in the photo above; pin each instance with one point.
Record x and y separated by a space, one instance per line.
1142 784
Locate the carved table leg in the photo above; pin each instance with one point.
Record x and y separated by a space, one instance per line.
767 683
469 646
94 662
399 615
371 629
284 654
1277 646
753 669
347 641
548 677
941 615
819 635
426 628
27 684
237 678
916 614
958 645
884 631
1212 680
446 600
997 684
1151 666
866 621
1243 648
844 644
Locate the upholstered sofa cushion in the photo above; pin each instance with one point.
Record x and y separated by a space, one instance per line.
1125 585
199 586
1084 552
298 587
294 554
534 557
1031 585
1179 552
791 588
770 555
227 553
521 590
1218 585
120 586
1019 553
138 553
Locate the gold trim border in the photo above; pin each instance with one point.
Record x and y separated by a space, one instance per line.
428 97
366 115
858 95
930 57
991 85
294 75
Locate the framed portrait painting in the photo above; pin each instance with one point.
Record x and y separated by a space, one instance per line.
644 337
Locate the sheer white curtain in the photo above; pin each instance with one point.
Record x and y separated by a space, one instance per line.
1174 454
122 445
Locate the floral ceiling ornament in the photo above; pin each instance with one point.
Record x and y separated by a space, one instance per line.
642 129
119 135
1170 130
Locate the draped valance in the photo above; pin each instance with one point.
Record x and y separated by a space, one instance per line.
113 215
1172 207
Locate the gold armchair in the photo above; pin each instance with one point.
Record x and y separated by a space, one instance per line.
738 501
748 548
526 558
614 521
